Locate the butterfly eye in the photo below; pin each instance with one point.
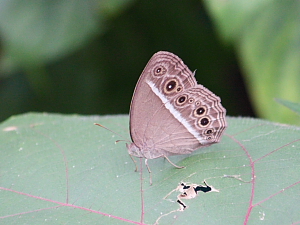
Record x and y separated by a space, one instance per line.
171 86
209 131
203 122
200 111
179 89
159 70
181 99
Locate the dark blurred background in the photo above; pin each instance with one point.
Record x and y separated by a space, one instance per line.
86 57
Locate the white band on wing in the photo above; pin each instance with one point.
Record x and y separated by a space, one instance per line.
175 113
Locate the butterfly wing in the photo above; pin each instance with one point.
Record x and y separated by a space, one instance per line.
162 113
202 114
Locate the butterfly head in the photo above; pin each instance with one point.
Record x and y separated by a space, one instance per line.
134 150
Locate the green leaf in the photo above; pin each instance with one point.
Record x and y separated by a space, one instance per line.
266 35
37 32
63 169
291 105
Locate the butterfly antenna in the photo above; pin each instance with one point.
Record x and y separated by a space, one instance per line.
98 124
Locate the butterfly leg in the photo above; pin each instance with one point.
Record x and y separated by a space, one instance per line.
150 173
136 169
179 167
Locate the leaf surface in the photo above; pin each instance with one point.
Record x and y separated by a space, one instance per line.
63 169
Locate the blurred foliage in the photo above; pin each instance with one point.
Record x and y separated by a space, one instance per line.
290 105
267 39
86 56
